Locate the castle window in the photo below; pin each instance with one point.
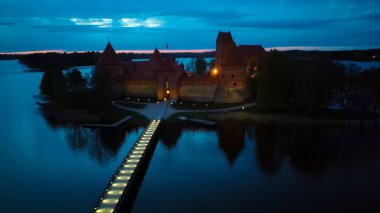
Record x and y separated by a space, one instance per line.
234 83
232 76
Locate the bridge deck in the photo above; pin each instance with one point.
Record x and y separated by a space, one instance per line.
123 178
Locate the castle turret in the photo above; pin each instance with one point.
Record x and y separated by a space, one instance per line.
108 69
224 43
109 56
233 74
231 71
156 55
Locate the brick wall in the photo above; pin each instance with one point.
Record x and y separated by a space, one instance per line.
197 88
140 88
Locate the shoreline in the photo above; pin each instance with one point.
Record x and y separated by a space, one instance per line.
266 118
287 118
58 113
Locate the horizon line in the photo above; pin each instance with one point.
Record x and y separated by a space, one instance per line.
280 48
117 51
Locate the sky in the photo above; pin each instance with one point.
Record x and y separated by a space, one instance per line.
86 25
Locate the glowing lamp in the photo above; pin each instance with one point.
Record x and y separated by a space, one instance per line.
167 92
214 72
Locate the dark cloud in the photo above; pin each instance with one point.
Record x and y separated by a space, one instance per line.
192 23
67 28
371 16
209 14
94 29
276 24
5 24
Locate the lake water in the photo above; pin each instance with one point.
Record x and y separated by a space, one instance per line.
46 167
246 167
235 167
188 60
362 64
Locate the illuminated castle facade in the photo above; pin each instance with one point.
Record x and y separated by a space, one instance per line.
162 78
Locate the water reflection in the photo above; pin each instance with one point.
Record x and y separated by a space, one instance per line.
252 167
231 136
231 139
102 144
313 149
310 150
174 131
267 149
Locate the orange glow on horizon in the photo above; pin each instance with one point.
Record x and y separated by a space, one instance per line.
167 51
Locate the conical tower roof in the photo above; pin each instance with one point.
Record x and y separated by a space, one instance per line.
109 56
232 58
156 54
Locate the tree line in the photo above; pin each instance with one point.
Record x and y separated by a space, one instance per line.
44 61
341 55
55 82
199 65
314 84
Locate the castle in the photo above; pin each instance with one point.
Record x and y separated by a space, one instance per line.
162 78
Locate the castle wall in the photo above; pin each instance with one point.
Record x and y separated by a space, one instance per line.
140 87
195 88
231 95
114 71
233 77
232 85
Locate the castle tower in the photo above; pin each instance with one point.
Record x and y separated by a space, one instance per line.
233 72
231 68
156 55
109 68
109 56
224 43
